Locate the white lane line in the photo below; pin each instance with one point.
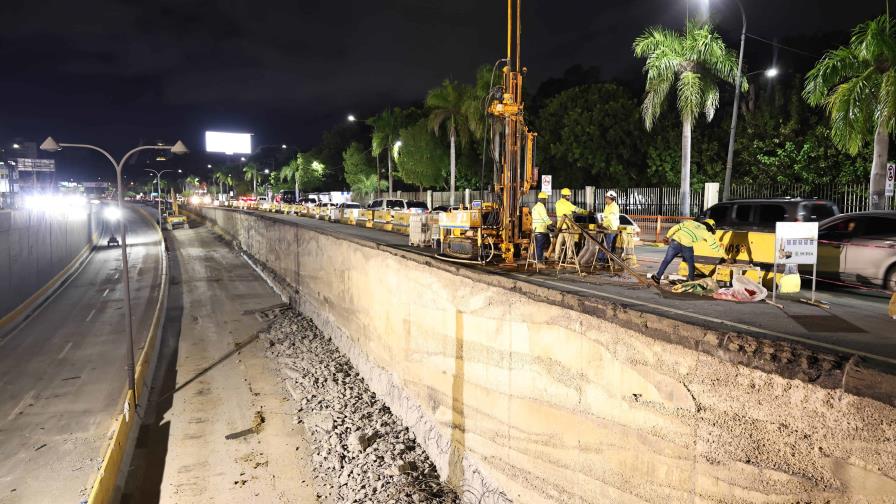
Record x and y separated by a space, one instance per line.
90 316
16 411
791 337
107 291
67 347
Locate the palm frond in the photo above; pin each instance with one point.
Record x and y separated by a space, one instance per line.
834 68
690 95
710 99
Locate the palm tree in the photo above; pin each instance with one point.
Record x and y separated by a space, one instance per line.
692 62
448 107
367 185
386 131
856 84
290 172
220 177
250 174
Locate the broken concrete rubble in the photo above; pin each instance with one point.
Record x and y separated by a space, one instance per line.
362 452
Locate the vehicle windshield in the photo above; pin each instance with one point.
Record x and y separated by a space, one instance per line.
417 204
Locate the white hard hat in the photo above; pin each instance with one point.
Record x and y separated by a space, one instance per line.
611 194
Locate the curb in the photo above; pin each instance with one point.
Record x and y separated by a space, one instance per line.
107 485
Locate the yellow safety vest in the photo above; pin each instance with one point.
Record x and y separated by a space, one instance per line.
540 218
565 207
611 216
689 233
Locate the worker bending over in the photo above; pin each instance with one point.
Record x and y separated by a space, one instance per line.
610 222
681 240
564 207
540 223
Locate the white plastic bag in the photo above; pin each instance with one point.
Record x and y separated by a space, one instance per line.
743 290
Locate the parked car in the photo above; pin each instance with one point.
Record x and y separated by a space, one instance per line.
762 214
445 208
349 205
285 197
308 201
858 248
398 204
625 220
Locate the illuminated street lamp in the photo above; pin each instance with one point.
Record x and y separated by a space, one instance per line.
352 118
178 148
771 73
159 182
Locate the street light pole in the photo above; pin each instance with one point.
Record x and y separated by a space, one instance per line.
159 184
50 145
729 164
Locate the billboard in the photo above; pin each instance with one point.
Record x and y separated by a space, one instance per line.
28 164
228 143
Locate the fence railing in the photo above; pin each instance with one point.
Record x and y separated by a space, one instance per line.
664 201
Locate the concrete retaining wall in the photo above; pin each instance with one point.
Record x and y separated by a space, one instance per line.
35 246
528 395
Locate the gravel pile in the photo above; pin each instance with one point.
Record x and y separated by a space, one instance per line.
362 452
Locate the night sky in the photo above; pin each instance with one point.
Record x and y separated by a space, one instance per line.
117 73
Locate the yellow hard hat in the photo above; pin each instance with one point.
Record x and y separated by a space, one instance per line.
711 222
566 192
542 195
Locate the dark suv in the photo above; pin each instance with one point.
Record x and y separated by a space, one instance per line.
762 214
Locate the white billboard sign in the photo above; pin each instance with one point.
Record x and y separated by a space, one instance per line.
27 164
228 143
796 242
546 183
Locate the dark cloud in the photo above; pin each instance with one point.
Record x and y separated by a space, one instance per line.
115 72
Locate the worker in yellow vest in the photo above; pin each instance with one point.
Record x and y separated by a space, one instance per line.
610 223
681 240
564 207
540 223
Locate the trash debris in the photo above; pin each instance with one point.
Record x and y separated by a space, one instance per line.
704 286
743 290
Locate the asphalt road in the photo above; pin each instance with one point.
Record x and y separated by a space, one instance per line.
62 373
857 322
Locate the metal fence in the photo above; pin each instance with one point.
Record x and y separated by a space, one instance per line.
849 197
664 201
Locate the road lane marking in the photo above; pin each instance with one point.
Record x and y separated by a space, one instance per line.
65 351
16 411
107 291
90 316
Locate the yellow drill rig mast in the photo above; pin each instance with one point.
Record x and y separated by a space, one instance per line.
516 152
472 234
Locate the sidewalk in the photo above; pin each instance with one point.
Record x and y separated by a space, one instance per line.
219 427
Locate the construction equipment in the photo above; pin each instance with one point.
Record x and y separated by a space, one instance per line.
503 224
174 219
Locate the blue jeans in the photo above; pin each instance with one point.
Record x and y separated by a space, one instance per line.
676 249
610 243
541 244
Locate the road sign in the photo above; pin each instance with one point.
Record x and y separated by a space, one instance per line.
28 164
546 183
891 175
796 242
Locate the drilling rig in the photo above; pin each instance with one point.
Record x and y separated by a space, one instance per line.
504 223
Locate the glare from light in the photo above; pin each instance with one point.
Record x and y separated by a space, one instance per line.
112 213
398 143
15 146
351 118
242 158
266 170
61 204
283 146
209 166
771 73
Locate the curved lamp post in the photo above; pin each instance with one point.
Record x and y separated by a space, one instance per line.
159 183
50 145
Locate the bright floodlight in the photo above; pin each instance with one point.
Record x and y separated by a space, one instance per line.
283 146
351 118
112 213
228 143
266 170
398 143
209 166
771 72
15 146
